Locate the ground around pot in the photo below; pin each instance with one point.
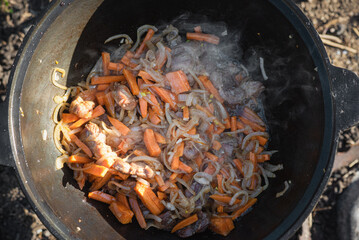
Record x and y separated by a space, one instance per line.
338 18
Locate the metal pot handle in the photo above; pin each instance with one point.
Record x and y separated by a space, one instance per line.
345 91
6 157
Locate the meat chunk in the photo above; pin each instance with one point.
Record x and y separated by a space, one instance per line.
81 108
92 136
199 226
167 221
96 141
189 151
140 169
88 95
122 166
123 97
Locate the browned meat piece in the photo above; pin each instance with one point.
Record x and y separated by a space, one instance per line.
123 97
197 227
95 140
81 108
88 95
167 222
122 166
142 170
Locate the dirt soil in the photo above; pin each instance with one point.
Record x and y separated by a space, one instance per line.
338 18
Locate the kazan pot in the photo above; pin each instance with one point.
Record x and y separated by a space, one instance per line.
307 102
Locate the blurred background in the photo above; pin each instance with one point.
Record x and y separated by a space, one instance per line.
337 22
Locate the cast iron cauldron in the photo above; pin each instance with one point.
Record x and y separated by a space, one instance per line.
307 102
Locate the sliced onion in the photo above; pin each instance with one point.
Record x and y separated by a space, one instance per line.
125 36
249 136
161 54
169 59
119 185
153 217
203 178
143 181
60 161
168 116
140 31
286 187
181 181
182 97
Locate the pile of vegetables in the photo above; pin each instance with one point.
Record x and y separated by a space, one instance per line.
155 140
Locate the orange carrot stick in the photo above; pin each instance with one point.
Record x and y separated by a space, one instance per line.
240 125
122 199
69 117
159 138
152 116
79 159
185 222
227 123
106 79
143 107
219 183
221 225
151 143
256 127
216 145
178 82
199 161
102 87
161 195
122 128
159 180
175 162
253 159
203 37
115 66
149 198
122 213
263 158
98 111
210 169
239 165
138 152
209 114
224 199
100 96
142 47
184 167
211 156
233 123
105 62
262 140
188 176
192 131
164 94
240 211
138 213
185 113
81 145
131 80
209 86
102 197
97 170
100 181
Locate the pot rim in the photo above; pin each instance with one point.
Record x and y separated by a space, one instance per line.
321 174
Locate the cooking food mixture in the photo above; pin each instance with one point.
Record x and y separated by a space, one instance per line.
167 131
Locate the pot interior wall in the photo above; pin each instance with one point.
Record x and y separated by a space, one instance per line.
293 104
